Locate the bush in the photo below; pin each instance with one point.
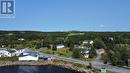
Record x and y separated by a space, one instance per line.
77 53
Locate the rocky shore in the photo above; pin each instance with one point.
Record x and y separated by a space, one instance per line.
8 63
42 62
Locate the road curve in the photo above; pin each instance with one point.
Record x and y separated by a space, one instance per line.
95 64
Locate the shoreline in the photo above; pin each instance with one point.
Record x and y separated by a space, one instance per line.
43 63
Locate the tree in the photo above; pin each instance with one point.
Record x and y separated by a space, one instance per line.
119 55
105 58
116 58
77 53
38 45
92 52
71 47
98 43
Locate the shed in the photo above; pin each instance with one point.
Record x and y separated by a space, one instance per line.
28 58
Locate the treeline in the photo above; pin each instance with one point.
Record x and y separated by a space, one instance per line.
41 39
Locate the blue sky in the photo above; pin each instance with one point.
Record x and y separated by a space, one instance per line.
67 15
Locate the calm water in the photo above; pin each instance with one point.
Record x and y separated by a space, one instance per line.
35 69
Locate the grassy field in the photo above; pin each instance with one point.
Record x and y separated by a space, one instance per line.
62 52
72 34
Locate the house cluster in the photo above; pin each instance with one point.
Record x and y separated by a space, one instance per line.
85 46
4 52
23 54
85 52
30 55
85 49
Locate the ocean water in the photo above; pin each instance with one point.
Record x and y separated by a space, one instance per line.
35 69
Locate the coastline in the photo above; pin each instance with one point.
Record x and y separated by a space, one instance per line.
43 62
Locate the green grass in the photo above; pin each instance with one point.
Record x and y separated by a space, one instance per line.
48 51
8 58
72 34
66 55
62 52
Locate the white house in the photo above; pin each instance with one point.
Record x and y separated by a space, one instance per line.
100 51
29 55
5 53
85 53
28 58
21 39
87 42
11 52
60 46
91 42
111 38
3 46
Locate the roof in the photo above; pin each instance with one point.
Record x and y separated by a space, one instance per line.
11 51
85 50
85 40
31 53
21 48
3 49
100 50
60 45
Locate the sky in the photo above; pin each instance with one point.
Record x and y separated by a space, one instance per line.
69 15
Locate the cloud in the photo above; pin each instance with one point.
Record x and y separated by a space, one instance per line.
102 25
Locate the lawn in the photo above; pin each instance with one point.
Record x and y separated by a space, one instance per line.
72 34
62 52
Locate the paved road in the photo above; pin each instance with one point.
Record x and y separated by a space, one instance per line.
95 64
